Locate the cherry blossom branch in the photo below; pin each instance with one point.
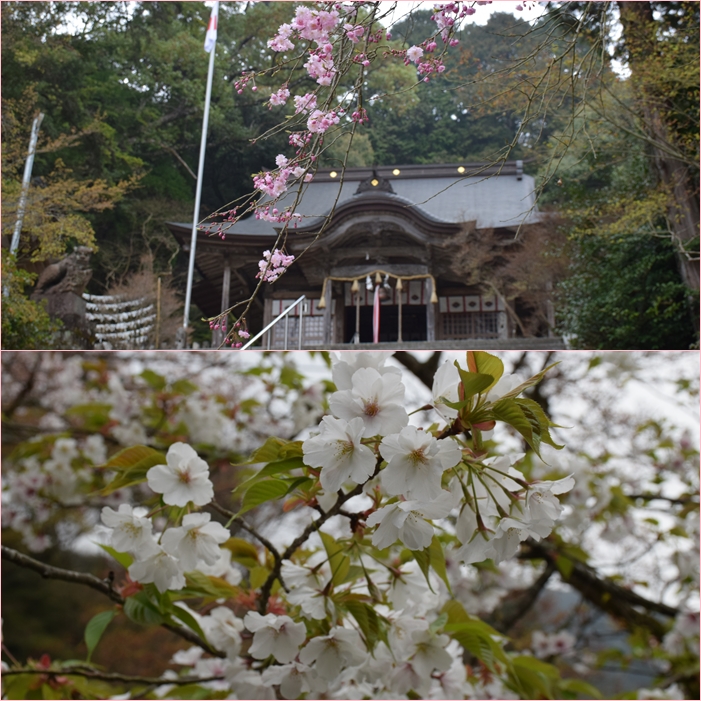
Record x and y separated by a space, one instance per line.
249 529
300 539
90 673
50 572
103 586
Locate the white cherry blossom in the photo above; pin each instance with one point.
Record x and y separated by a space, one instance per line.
293 678
160 568
345 365
430 653
406 521
130 533
338 451
377 399
445 388
223 629
185 477
278 636
340 648
504 385
197 539
415 463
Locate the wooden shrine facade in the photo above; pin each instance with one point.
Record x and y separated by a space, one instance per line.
394 229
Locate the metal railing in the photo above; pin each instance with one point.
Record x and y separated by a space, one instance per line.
285 315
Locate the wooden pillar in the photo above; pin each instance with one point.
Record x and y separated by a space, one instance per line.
430 311
218 334
328 315
226 285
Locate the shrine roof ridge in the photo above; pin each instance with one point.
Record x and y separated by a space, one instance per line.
426 170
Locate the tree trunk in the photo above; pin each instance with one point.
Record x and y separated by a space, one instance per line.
639 35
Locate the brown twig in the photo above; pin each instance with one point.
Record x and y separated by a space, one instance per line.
104 587
91 673
300 539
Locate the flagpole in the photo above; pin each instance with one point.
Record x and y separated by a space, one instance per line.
198 195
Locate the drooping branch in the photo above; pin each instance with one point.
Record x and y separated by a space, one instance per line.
103 586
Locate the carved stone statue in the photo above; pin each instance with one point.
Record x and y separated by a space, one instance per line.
71 274
61 285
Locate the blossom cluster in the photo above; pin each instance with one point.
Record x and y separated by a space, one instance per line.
226 413
274 264
409 477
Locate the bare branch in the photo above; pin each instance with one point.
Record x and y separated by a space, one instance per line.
91 673
104 587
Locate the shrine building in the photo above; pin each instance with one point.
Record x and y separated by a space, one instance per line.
388 232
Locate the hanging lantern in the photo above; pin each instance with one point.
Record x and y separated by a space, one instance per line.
355 287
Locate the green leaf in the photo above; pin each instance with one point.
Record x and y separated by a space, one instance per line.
534 676
154 380
18 686
137 456
260 492
276 449
141 609
183 386
124 559
243 552
488 364
423 559
257 576
200 584
338 560
475 636
136 475
579 686
473 382
437 556
530 382
371 625
273 468
93 416
534 410
508 411
95 628
188 619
